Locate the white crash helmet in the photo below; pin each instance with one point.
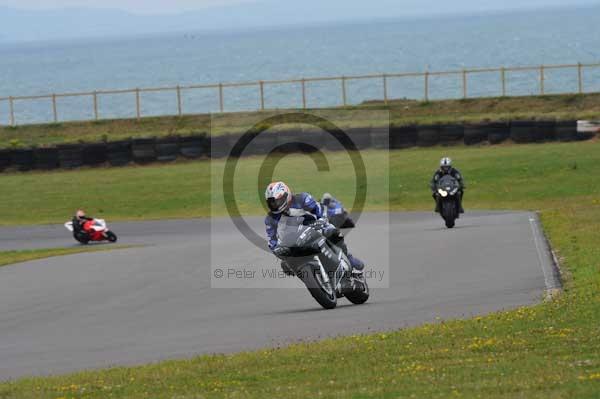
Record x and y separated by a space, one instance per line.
278 196
326 199
445 164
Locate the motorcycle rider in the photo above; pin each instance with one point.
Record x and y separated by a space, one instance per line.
281 201
446 168
334 209
78 221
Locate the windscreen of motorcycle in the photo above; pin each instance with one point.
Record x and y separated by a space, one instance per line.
289 229
447 182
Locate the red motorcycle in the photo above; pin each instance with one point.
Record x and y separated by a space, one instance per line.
94 230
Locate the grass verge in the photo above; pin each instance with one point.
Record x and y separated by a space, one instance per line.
12 257
551 350
402 112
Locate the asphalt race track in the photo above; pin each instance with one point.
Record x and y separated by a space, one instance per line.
155 302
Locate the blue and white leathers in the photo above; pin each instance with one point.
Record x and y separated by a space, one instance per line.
303 204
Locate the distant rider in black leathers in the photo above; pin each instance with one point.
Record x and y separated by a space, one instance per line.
447 169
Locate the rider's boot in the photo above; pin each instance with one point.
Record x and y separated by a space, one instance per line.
356 263
460 207
437 204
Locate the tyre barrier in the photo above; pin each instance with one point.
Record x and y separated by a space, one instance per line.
380 138
497 132
70 156
22 159
451 134
360 136
167 149
290 141
260 143
46 158
314 138
522 131
118 153
143 150
475 134
544 131
94 154
566 130
428 135
5 159
193 147
219 146
403 137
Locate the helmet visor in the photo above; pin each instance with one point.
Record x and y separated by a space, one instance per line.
276 204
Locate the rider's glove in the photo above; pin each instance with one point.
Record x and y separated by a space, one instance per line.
281 252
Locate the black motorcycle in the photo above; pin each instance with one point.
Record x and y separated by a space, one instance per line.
447 195
321 265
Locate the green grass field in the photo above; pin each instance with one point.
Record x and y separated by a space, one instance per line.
551 350
12 257
402 112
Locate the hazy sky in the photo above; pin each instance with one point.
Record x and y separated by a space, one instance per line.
175 6
135 6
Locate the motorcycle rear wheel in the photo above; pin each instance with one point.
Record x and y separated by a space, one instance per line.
322 291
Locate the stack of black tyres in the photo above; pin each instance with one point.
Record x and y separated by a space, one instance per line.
428 135
70 156
196 146
475 133
566 130
360 136
335 140
235 143
451 134
497 132
143 150
167 148
544 131
94 154
22 159
119 152
259 143
313 138
219 146
290 141
522 131
380 138
46 158
403 137
5 159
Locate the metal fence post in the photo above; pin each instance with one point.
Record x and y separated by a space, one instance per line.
464 79
580 77
221 105
11 103
503 79
344 99
385 89
262 95
54 110
95 96
426 86
542 78
138 107
303 93
179 107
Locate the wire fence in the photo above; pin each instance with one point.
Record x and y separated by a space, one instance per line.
468 82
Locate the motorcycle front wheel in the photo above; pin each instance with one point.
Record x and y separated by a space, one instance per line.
321 290
111 237
361 294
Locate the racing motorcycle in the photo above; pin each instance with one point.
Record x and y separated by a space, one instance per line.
321 265
94 230
447 197
337 214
